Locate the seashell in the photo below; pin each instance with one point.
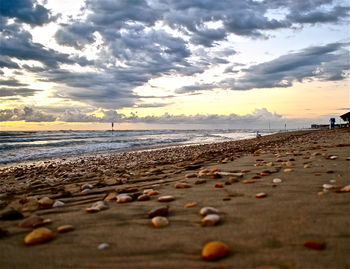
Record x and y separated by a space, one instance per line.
166 198
208 210
110 197
182 186
210 220
193 204
65 228
345 189
143 197
215 250
200 181
318 245
86 187
247 181
334 157
230 174
277 180
31 221
327 186
103 246
159 222
46 202
261 195
151 192
159 211
58 203
288 164
123 198
38 236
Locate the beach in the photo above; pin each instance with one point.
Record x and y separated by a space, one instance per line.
301 220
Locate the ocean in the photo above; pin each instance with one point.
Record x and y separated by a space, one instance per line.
34 145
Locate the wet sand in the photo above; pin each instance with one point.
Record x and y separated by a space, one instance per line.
267 232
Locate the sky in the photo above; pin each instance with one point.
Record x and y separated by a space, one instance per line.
160 64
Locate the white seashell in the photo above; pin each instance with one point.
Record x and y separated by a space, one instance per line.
58 204
160 222
100 205
103 246
333 157
208 210
123 198
277 180
210 220
229 174
327 186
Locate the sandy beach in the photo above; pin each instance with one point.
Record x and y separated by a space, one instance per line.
282 202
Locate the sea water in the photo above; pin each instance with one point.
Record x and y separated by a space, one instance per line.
33 145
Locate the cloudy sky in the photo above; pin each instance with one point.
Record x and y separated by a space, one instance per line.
172 63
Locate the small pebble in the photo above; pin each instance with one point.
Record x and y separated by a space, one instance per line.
256 177
191 175
261 195
193 204
334 157
182 186
65 228
151 192
288 164
327 186
345 189
159 222
287 170
208 210
277 180
159 211
210 220
58 203
200 181
31 222
111 197
38 236
218 185
46 202
103 246
318 245
215 250
307 166
143 197
248 181
166 198
124 198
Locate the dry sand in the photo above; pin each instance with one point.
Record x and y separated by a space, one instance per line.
261 233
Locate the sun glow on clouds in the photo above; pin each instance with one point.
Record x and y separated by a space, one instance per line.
98 61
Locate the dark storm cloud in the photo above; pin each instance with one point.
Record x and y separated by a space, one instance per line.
11 82
27 11
325 63
319 62
133 46
17 43
25 92
27 114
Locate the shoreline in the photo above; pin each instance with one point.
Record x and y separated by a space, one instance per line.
259 232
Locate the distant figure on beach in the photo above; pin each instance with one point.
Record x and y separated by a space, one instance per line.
257 134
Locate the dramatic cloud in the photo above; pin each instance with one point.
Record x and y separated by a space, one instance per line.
27 11
102 55
320 62
25 92
25 114
325 63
